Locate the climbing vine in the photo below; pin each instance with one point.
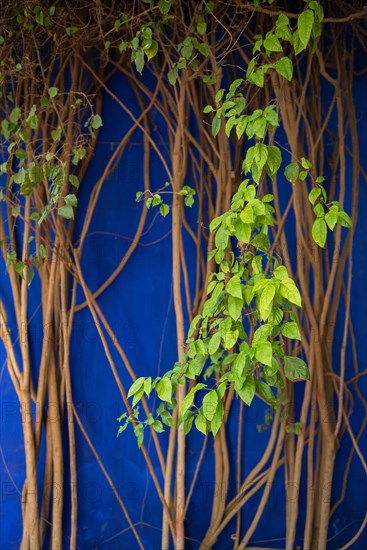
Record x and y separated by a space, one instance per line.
251 288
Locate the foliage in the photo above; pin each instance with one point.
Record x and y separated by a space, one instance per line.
250 310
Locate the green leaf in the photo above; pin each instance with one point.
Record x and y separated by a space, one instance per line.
19 267
239 366
152 50
135 387
284 67
294 428
137 396
216 124
257 78
164 389
210 404
282 20
247 392
139 433
230 338
217 419
164 210
249 159
306 164
157 426
234 306
272 44
233 287
203 48
295 368
331 217
187 48
261 155
200 25
209 79
14 115
201 423
265 392
52 92
167 418
193 325
214 343
188 420
319 232
273 161
122 428
229 125
289 291
96 122
235 85
319 210
344 220
259 128
264 353
261 242
298 45
314 195
189 200
120 418
189 399
208 109
262 334
219 95
291 330
243 231
266 301
71 200
139 60
317 8
164 6
247 214
56 134
123 46
304 25
74 181
270 114
66 212
303 175
148 385
291 172
240 126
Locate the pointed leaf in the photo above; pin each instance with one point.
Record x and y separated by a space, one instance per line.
189 399
210 403
247 391
284 67
319 232
164 389
295 368
234 288
266 301
304 25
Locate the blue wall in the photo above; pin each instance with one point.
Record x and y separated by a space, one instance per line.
138 305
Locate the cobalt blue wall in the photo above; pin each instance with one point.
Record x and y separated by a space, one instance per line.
138 305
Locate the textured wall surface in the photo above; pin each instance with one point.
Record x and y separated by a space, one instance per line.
138 305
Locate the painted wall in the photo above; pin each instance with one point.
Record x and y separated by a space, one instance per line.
138 305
